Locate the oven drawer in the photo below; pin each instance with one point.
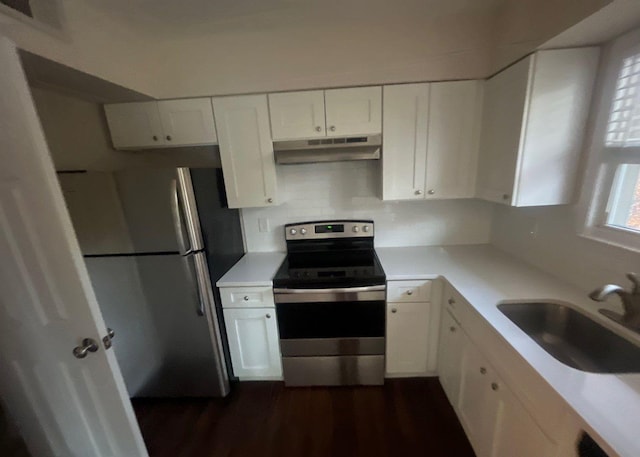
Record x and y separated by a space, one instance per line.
361 370
409 291
247 297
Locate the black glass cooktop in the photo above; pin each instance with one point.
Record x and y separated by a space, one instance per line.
334 268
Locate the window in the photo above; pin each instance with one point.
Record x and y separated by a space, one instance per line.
613 177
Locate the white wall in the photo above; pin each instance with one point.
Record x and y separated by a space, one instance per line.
345 190
554 246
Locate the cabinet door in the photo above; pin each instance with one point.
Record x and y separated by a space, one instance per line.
407 338
477 408
516 432
404 143
296 115
450 357
134 125
246 150
188 122
253 342
353 111
453 140
503 116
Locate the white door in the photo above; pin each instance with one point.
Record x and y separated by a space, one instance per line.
404 143
297 115
253 342
502 127
246 150
135 125
407 338
453 140
63 405
478 409
516 431
450 357
188 122
353 111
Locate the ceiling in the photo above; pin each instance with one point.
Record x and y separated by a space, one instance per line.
196 14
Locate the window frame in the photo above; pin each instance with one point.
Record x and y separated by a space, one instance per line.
602 160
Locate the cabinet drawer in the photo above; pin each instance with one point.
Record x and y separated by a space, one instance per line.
247 297
409 291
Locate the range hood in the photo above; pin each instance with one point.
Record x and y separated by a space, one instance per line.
328 149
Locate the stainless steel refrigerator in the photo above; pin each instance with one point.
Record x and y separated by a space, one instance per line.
154 257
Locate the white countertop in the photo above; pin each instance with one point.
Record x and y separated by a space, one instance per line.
254 269
609 405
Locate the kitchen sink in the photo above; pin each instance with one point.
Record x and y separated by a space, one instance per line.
573 338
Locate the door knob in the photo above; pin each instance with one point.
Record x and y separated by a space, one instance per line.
107 339
88 345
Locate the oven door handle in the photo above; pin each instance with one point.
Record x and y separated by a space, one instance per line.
343 290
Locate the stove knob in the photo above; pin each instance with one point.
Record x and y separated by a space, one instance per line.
365 228
293 231
355 229
303 231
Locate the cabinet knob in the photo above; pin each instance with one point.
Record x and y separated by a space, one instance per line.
431 191
332 128
451 301
168 137
394 310
318 129
268 316
269 200
483 370
155 137
418 192
494 386
505 196
452 329
409 292
246 298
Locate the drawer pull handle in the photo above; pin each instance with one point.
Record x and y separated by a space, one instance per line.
393 310
409 292
268 316
451 301
452 329
483 370
494 386
246 298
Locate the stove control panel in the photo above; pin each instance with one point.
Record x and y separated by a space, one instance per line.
329 230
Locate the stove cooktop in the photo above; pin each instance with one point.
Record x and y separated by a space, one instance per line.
335 269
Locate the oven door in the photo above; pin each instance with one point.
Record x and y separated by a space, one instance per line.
331 322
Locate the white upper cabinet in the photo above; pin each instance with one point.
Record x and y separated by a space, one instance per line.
353 111
296 115
331 113
453 139
404 142
167 123
135 125
188 122
533 127
430 140
246 150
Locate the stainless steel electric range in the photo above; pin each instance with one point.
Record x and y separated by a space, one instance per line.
330 302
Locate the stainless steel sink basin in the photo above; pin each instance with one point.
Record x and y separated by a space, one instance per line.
573 338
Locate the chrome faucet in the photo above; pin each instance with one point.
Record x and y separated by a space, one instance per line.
630 302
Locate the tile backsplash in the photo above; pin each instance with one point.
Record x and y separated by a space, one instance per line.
351 190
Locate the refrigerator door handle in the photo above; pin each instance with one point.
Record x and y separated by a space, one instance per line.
176 211
202 282
194 277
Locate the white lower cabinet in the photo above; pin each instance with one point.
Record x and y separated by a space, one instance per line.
253 342
495 421
407 338
449 356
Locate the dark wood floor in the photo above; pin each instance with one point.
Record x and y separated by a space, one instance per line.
409 417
